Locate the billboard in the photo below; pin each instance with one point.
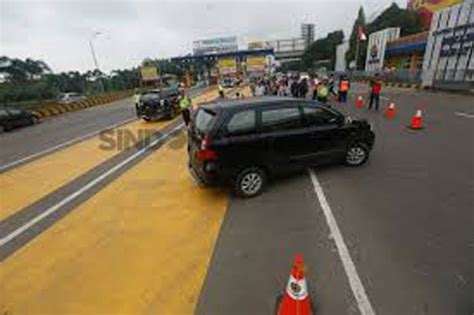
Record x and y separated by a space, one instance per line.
149 73
256 63
227 66
449 54
376 47
215 45
426 8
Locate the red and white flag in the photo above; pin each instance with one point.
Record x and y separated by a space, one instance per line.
362 35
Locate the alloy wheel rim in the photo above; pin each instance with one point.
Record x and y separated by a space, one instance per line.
355 155
251 183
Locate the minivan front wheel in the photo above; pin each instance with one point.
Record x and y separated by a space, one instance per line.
250 182
357 154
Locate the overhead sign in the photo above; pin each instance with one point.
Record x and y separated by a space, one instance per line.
426 8
256 63
227 66
215 45
149 73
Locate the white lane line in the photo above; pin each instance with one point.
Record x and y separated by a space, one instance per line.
62 145
84 188
357 287
464 115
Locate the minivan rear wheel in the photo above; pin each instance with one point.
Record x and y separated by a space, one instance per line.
357 154
250 182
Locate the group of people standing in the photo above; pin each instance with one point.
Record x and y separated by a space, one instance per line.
319 88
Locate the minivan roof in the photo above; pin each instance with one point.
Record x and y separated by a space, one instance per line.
249 102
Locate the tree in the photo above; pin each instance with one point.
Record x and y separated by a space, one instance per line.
323 49
354 38
394 16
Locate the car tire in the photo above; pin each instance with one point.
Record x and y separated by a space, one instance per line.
357 154
34 120
250 182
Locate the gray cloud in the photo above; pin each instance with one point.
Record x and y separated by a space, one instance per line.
58 31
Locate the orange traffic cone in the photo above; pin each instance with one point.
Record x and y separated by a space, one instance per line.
296 299
390 112
360 102
416 121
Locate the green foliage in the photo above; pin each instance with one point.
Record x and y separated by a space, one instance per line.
393 16
323 49
29 79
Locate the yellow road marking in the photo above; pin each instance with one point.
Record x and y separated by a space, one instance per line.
142 245
26 184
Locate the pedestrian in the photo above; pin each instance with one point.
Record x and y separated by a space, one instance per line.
221 91
252 87
294 88
322 92
185 104
303 88
344 86
260 89
375 89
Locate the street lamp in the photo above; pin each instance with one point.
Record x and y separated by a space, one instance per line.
94 57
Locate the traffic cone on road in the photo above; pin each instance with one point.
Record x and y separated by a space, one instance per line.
390 112
296 300
360 102
416 121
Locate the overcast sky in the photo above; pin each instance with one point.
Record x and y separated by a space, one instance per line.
58 31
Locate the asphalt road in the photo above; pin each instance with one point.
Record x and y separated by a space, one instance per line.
405 218
24 144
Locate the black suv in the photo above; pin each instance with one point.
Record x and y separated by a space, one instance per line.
158 103
244 142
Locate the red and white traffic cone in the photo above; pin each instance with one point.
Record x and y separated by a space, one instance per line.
390 112
296 300
360 102
416 121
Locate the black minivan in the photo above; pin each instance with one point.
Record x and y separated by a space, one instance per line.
244 142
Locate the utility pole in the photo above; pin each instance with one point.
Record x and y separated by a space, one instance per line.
94 57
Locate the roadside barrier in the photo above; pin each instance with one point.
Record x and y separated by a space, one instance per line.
53 109
295 299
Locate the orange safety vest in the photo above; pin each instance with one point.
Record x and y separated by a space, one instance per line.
344 86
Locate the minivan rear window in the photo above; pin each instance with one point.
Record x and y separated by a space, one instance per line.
203 121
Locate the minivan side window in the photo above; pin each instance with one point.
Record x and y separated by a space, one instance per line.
315 116
286 118
241 123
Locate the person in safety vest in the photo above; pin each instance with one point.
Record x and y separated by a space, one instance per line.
322 92
375 89
184 105
344 86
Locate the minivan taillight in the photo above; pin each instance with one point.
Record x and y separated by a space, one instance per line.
204 153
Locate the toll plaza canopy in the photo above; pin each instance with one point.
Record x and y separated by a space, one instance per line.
240 55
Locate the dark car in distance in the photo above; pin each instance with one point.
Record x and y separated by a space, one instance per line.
245 142
14 118
158 103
